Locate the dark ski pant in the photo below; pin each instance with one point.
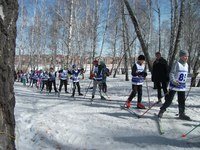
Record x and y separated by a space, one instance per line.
104 87
136 89
74 88
65 82
181 100
54 85
159 87
45 82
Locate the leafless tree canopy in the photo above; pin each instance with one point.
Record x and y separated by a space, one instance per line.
78 31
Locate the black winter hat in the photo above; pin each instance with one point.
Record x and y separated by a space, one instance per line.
141 57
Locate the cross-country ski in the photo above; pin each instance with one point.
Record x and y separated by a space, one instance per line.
159 124
130 111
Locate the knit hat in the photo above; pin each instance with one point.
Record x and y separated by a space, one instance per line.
102 62
95 62
141 57
183 53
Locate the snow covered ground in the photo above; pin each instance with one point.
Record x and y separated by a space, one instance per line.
49 122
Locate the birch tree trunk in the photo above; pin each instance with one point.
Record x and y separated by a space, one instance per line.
139 34
95 25
178 36
174 22
106 27
125 43
114 48
195 69
70 31
8 19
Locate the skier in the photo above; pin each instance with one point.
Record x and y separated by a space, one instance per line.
24 78
138 77
75 77
95 66
105 73
31 74
160 75
52 80
63 76
44 80
178 77
97 79
35 77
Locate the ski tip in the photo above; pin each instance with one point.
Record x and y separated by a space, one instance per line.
183 135
162 133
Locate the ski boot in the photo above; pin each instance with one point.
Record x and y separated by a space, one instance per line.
159 101
103 98
183 116
140 106
127 104
160 114
80 94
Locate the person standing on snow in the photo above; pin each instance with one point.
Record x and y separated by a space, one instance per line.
75 77
138 77
44 80
178 77
105 73
63 76
97 78
52 80
160 75
95 66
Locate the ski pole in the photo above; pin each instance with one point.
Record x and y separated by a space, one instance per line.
140 116
189 89
151 107
148 93
184 135
87 88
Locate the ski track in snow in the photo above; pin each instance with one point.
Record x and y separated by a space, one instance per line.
49 122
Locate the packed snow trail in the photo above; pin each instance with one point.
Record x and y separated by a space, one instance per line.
49 122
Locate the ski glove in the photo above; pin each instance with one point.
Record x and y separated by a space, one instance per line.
143 74
176 83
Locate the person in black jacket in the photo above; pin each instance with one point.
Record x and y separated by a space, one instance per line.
160 75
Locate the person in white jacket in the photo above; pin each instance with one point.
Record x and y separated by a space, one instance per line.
178 77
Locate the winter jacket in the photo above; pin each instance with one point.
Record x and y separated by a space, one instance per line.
178 76
160 72
138 74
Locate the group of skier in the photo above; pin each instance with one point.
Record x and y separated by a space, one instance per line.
160 76
43 78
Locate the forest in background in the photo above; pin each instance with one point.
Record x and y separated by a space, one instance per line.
83 30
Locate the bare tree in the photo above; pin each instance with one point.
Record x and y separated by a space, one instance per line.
178 35
139 34
8 18
106 27
174 24
125 42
